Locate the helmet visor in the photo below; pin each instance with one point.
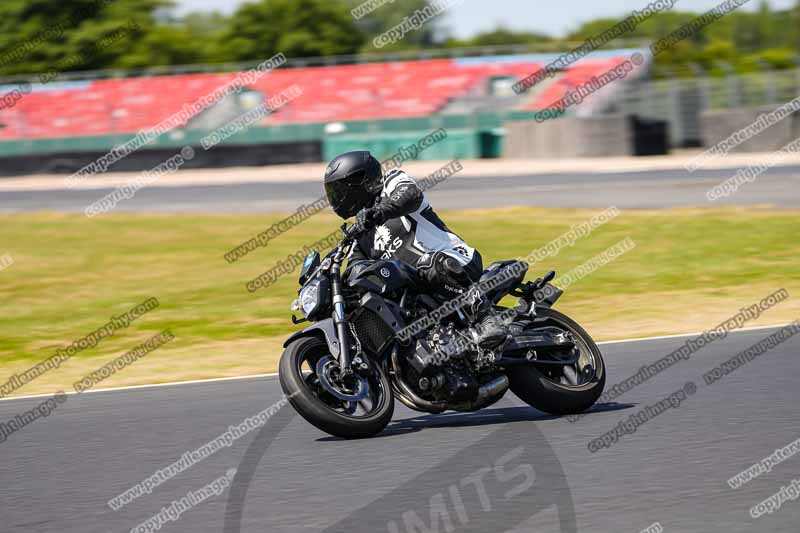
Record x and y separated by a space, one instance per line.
346 199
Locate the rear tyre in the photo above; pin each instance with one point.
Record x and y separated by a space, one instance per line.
366 417
568 391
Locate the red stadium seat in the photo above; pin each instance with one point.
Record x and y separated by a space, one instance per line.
333 93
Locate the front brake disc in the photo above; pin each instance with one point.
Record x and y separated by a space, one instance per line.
325 368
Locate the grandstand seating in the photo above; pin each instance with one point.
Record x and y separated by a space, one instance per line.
330 93
577 75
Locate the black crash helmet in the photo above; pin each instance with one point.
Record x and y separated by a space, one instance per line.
352 181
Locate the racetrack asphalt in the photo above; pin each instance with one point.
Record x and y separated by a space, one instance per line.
779 186
58 472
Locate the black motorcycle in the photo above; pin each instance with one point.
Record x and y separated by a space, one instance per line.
382 335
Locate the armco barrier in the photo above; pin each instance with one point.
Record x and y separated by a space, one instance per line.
222 156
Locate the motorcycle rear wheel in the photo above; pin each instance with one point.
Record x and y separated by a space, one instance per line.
366 417
555 394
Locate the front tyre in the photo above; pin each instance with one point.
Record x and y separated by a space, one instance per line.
561 390
346 408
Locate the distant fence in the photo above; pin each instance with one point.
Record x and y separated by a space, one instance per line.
690 112
683 102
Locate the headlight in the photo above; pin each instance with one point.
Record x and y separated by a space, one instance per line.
309 298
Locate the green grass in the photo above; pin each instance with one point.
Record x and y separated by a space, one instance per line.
691 269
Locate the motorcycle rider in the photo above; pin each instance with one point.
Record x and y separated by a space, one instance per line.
394 220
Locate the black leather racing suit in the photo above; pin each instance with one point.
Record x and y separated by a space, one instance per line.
409 230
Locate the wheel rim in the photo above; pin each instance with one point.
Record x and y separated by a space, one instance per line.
580 373
358 399
352 389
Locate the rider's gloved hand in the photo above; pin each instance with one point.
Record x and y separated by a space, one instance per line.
366 219
440 271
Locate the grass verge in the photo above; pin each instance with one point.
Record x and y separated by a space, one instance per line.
690 270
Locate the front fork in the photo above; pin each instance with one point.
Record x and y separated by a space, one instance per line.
339 321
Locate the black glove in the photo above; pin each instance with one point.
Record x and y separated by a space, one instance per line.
366 219
442 272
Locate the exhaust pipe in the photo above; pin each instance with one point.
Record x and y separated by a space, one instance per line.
488 394
407 396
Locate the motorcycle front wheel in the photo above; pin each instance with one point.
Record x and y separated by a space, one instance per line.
556 389
351 407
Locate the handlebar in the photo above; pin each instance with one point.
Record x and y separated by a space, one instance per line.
350 232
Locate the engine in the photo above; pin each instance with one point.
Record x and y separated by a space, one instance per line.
446 366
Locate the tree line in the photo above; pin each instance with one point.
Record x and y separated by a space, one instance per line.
37 35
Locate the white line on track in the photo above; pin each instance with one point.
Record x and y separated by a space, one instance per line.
274 374
751 328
